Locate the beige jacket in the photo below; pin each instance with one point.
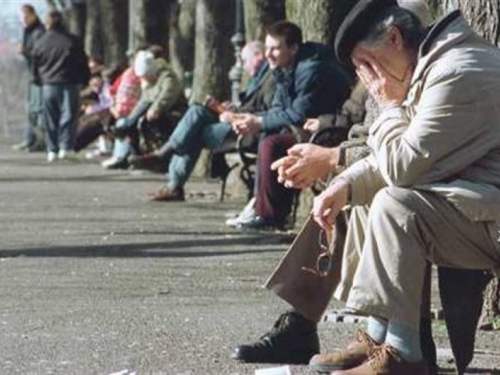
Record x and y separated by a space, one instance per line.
445 138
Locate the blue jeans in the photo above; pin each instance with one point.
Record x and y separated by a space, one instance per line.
198 129
34 106
60 108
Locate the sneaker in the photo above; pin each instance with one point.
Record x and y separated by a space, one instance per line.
168 195
21 146
257 222
355 354
247 214
293 339
115 163
386 360
51 156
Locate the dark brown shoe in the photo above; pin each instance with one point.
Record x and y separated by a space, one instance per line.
355 354
149 162
385 360
168 195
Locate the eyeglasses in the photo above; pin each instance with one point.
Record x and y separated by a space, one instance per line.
324 261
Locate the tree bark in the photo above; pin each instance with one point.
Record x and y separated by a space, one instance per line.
319 19
182 35
114 31
483 15
259 14
150 22
93 41
213 51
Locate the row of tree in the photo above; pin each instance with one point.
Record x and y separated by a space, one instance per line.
197 33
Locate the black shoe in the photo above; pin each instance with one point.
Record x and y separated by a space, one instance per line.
261 223
293 340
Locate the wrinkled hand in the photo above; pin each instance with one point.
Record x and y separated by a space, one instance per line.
386 89
226 116
329 203
246 124
152 115
311 125
305 164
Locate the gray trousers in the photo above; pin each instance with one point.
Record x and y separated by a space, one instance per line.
405 228
60 107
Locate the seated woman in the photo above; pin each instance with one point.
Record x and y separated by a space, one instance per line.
115 98
160 106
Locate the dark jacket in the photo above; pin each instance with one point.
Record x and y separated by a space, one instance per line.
315 85
58 57
260 92
31 35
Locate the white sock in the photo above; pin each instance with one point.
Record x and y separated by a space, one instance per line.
406 340
377 329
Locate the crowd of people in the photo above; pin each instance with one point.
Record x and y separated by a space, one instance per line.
419 173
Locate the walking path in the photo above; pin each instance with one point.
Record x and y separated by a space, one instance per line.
96 280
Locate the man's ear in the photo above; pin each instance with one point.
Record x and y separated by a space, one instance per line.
295 49
395 38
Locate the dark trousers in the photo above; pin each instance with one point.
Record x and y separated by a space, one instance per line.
90 127
60 107
273 201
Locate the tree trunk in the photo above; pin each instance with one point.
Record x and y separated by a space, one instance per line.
150 22
181 44
484 17
213 50
259 14
93 41
318 19
114 31
77 15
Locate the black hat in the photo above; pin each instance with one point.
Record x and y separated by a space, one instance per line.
355 26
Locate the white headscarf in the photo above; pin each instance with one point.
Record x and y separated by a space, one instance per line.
145 64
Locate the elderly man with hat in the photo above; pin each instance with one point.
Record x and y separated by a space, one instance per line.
432 180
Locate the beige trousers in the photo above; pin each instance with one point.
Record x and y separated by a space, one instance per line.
403 229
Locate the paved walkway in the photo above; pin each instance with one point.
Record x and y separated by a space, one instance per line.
96 280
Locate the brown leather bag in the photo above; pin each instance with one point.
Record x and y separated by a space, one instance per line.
307 292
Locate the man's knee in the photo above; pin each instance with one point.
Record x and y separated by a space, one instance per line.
393 201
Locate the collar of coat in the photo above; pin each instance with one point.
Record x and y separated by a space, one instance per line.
446 33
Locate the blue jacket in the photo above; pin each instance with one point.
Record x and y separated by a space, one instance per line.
315 85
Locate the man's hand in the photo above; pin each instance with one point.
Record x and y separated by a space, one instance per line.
246 124
329 203
152 115
305 164
226 116
311 125
386 89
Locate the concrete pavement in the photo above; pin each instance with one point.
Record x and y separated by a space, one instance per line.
96 280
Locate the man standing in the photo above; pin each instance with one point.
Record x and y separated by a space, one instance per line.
33 31
432 180
60 64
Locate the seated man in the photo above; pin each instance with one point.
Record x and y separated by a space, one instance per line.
161 104
308 82
203 126
432 180
217 115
